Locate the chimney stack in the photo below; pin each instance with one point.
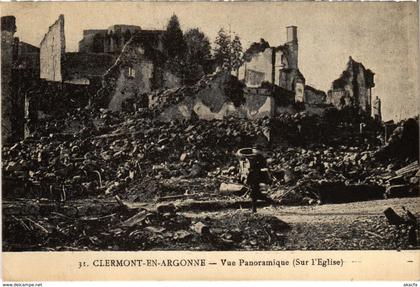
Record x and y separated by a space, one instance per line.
292 34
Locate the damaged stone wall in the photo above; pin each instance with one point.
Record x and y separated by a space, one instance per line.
129 77
299 90
353 88
275 65
258 105
8 28
52 49
86 68
314 96
138 70
92 41
260 68
315 101
28 60
132 81
292 80
214 100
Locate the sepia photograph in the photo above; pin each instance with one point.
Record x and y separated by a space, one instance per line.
131 126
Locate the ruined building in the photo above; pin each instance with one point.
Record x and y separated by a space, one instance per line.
80 68
111 40
275 65
278 66
19 68
139 69
269 83
8 55
123 64
115 64
353 88
52 52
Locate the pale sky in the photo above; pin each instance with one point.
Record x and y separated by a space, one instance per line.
383 36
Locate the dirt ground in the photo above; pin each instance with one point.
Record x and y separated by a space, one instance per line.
356 225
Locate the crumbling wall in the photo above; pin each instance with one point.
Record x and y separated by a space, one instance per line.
314 96
215 100
376 110
299 91
289 77
52 49
8 28
314 101
86 67
132 81
275 65
138 70
128 77
93 41
289 55
259 68
28 60
258 106
353 88
340 98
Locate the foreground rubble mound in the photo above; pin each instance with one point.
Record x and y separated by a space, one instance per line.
250 231
96 226
140 229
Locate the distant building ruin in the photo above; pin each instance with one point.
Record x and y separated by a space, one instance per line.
119 63
353 88
278 66
8 55
19 67
275 65
111 40
52 52
139 69
57 65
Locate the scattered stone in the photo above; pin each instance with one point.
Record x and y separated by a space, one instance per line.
166 208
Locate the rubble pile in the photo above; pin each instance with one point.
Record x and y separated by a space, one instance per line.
331 129
249 231
332 175
403 144
162 99
93 152
140 229
227 86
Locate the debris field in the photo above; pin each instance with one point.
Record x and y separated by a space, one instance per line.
101 180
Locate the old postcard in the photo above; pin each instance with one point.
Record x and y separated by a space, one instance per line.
210 141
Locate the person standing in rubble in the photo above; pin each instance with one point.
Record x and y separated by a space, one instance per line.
257 174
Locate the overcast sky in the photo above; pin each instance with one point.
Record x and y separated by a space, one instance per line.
383 36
